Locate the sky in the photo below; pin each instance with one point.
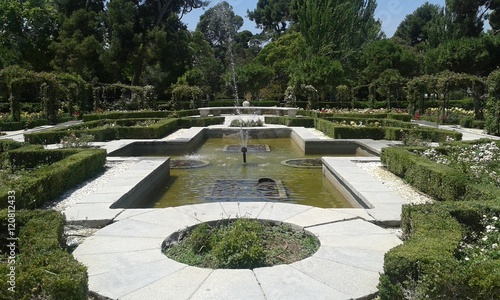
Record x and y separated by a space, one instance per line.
390 12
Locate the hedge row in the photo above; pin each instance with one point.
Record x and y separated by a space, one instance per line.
378 133
426 265
307 122
105 131
393 116
43 269
49 182
381 122
10 126
34 155
199 122
436 180
138 115
7 144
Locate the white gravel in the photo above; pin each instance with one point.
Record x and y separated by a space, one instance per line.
68 199
396 184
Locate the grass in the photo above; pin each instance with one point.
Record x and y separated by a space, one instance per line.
242 244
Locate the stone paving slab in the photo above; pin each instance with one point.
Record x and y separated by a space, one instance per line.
178 285
124 259
286 282
240 284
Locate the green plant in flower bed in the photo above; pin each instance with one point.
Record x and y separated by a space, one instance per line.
248 123
43 267
242 244
450 252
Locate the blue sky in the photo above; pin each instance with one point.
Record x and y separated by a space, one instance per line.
390 12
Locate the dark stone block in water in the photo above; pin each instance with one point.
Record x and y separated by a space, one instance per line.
259 148
303 162
187 163
247 189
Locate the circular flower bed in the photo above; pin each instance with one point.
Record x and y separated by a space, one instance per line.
240 244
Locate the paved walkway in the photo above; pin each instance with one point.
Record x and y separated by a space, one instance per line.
124 259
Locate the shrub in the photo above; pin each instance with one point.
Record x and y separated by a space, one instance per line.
429 263
44 270
49 182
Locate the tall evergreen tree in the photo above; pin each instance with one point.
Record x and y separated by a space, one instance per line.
337 28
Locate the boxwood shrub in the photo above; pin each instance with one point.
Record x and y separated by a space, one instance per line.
132 115
307 122
49 182
439 181
427 265
43 269
377 133
106 130
8 144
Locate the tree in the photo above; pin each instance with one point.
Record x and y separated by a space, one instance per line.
384 54
272 16
493 104
27 29
133 27
253 77
337 28
414 29
467 16
219 25
280 55
80 45
477 56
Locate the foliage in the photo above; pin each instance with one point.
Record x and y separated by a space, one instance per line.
272 16
337 28
61 170
247 123
242 243
493 104
431 263
414 29
72 141
43 267
253 77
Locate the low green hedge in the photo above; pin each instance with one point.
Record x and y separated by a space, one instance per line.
378 133
31 156
137 115
438 181
49 182
8 144
106 130
427 266
307 122
10 126
188 122
43 269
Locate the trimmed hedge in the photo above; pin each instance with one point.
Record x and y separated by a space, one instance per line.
11 126
200 122
47 183
287 121
378 133
103 130
360 116
31 156
438 181
138 115
8 144
43 269
426 265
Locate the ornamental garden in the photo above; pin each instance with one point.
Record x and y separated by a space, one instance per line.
111 77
